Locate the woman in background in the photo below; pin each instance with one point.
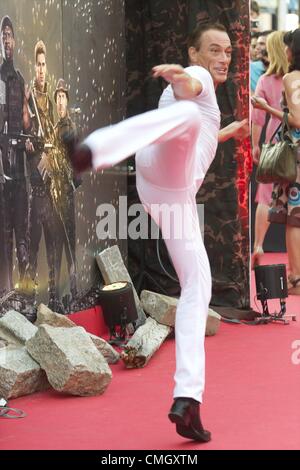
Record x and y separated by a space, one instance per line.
286 197
269 87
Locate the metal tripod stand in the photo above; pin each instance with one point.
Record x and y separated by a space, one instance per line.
267 317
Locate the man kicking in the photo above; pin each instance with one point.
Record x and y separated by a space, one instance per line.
175 145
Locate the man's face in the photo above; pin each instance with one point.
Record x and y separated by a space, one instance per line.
61 104
253 54
41 70
214 54
261 46
253 15
7 43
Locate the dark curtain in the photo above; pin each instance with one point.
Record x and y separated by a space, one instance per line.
156 32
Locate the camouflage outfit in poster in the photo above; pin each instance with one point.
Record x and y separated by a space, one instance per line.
42 213
67 240
14 196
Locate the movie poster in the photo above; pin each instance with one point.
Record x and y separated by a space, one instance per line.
62 75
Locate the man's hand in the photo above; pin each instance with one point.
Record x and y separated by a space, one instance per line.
240 129
172 73
27 92
29 146
237 130
44 167
184 86
259 103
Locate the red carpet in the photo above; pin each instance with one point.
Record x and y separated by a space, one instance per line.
251 399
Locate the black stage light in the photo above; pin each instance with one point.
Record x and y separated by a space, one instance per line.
271 283
119 309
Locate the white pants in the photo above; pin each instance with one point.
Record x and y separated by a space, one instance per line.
165 142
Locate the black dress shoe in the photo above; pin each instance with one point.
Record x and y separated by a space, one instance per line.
80 156
186 415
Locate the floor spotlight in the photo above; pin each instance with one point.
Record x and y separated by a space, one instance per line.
119 309
271 283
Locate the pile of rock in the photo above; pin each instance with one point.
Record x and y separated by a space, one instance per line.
54 352
161 309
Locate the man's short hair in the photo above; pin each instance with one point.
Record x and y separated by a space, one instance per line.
40 48
61 86
255 35
254 7
6 21
194 38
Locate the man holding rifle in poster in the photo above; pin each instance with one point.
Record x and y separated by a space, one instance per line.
14 124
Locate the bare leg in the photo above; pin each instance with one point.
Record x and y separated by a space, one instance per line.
261 224
261 227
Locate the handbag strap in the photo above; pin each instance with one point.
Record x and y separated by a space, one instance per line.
283 125
285 120
275 132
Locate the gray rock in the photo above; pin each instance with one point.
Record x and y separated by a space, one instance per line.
113 269
212 323
46 316
160 307
109 353
19 373
3 343
163 309
15 328
70 359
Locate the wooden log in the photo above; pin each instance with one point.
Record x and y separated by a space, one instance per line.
144 343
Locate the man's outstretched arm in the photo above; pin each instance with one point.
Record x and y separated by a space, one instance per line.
184 86
237 130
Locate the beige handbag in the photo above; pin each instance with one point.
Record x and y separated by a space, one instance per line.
278 162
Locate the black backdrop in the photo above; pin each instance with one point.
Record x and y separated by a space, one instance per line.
156 32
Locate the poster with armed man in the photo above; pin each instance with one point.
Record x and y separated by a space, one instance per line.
58 76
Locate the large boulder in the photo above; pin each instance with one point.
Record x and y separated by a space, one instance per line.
108 352
19 373
162 308
213 323
15 328
3 343
70 359
45 316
